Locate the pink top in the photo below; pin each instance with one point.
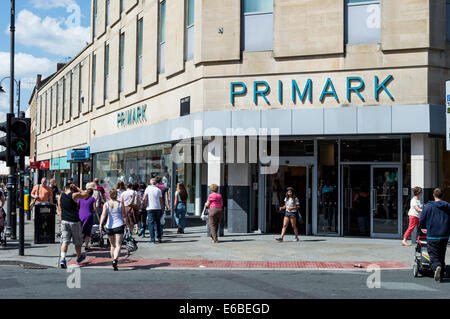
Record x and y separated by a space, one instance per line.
215 200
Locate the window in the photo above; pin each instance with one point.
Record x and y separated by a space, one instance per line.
108 12
190 30
63 115
71 94
448 20
162 37
106 71
95 18
121 61
257 25
363 21
139 51
94 75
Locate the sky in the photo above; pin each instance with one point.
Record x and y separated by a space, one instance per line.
47 32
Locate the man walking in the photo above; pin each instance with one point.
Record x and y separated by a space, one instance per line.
41 193
155 205
70 222
435 218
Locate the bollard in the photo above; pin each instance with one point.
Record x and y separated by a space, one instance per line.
26 206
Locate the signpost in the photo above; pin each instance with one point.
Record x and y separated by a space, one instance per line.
447 111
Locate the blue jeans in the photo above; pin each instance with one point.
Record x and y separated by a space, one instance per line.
180 215
154 224
142 220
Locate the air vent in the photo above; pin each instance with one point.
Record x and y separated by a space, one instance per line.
185 106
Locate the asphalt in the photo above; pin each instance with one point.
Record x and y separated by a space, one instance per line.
193 249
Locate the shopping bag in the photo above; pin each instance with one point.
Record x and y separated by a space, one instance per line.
162 220
205 214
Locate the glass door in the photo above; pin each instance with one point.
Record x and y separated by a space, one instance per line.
386 200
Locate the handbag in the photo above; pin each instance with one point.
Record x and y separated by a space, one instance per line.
134 203
205 214
162 220
129 242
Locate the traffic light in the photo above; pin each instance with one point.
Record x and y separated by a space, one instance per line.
20 137
5 141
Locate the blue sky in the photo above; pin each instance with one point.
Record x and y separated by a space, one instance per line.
47 32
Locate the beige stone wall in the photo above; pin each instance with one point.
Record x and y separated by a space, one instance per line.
313 49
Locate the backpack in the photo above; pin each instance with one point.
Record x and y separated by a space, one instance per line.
135 202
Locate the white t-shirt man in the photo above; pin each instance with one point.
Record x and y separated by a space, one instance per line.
126 196
154 196
412 210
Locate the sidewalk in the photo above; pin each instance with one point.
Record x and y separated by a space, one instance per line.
235 251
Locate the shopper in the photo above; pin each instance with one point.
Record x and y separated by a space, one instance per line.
55 191
113 214
120 188
291 206
87 211
155 204
70 222
414 214
435 217
99 201
41 193
100 187
215 205
130 198
181 197
142 216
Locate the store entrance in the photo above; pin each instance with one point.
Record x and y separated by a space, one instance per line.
298 177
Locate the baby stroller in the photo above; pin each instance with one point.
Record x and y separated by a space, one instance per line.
2 228
422 263
97 236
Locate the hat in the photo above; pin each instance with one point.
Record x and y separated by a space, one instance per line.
91 185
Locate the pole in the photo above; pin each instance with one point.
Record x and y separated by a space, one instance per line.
18 99
11 177
21 211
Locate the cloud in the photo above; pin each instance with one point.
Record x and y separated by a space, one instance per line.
50 4
26 66
54 35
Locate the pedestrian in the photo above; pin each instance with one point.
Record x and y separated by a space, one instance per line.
181 197
70 222
129 198
153 197
99 186
291 206
113 213
55 190
142 216
120 189
41 193
435 217
414 214
162 186
99 201
215 205
87 211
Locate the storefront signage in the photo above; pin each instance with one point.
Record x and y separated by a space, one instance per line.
44 165
135 115
79 154
447 107
63 163
304 91
54 164
34 165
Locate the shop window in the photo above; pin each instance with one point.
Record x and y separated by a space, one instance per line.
190 30
327 191
257 25
162 37
375 150
362 21
296 148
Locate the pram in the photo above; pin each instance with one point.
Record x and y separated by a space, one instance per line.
422 263
97 236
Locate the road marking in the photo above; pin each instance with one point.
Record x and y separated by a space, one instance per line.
405 286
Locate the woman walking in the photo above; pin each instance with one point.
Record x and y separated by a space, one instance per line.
114 211
215 205
292 205
86 214
414 214
181 197
142 216
120 189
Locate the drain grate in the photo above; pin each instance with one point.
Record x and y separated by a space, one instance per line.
21 264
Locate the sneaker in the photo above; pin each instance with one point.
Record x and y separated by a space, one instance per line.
63 264
81 259
279 239
437 273
160 241
296 239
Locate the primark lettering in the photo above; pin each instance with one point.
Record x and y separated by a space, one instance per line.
304 91
132 116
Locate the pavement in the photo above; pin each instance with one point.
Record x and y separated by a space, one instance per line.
194 250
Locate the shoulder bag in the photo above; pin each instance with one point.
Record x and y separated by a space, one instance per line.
33 202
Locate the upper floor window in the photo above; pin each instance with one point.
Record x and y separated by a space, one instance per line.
257 25
94 77
122 5
190 30
108 12
121 61
162 37
95 17
106 71
363 21
139 50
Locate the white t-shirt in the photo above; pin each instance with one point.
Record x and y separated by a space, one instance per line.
412 210
290 203
126 196
154 195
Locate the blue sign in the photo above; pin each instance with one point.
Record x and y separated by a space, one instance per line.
79 155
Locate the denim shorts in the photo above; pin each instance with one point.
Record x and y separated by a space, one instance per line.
115 231
290 214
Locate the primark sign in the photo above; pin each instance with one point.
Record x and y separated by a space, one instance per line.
133 116
305 90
